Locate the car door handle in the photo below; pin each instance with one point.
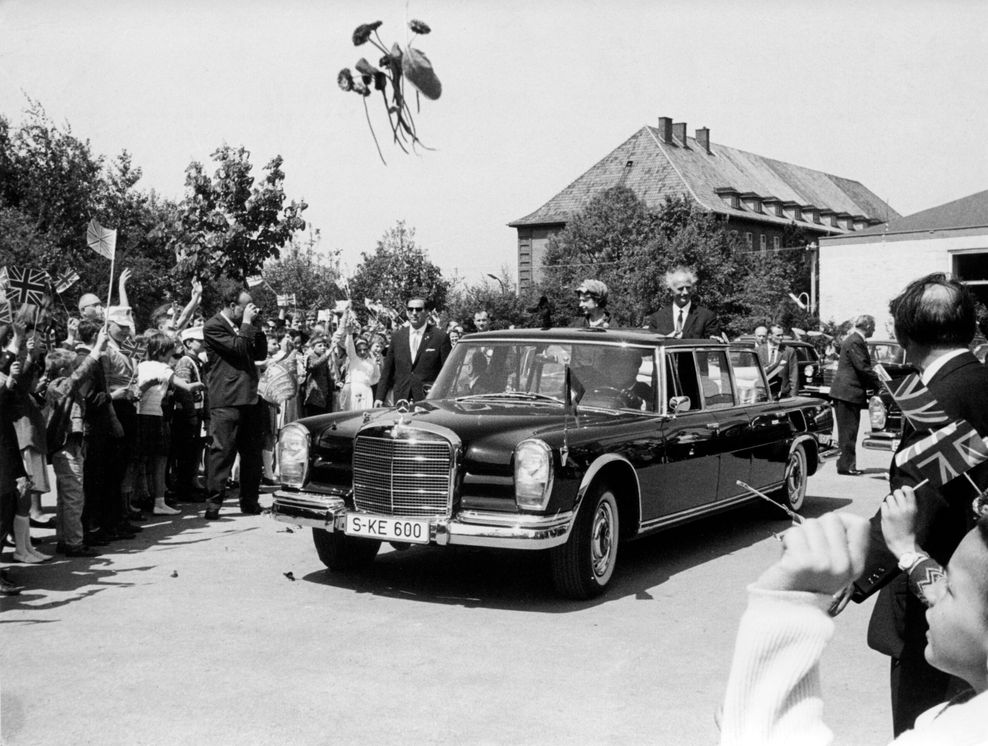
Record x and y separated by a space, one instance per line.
715 426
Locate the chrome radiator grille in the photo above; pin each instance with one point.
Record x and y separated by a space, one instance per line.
408 475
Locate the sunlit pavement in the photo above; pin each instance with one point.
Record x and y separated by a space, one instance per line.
232 632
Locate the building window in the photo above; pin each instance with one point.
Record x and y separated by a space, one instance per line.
747 239
763 243
971 268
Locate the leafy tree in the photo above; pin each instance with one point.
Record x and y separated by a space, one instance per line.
227 225
617 238
398 268
495 297
300 269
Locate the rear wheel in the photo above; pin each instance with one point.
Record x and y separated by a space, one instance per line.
341 552
583 566
793 492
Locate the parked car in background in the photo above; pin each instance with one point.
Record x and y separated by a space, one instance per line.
811 366
572 441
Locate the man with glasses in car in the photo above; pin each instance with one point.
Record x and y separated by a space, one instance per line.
415 357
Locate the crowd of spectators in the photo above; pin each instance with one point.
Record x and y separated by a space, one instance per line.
121 418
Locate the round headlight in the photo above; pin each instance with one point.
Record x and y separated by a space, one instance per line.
877 413
808 371
533 474
293 455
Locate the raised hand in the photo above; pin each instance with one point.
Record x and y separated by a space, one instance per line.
820 555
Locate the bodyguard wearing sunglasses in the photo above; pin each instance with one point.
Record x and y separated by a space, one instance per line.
416 355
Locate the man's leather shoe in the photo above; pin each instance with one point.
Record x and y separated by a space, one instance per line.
252 509
211 514
850 472
98 538
136 515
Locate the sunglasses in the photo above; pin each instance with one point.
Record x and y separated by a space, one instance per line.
415 309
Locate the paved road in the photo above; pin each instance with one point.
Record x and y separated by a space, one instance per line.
192 633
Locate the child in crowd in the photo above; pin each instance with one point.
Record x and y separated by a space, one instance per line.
64 411
773 693
155 377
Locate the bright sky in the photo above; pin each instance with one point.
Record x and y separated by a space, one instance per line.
892 94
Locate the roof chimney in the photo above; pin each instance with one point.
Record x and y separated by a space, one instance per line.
665 129
703 137
679 131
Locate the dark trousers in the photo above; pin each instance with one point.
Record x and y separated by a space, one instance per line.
186 453
848 421
235 430
101 507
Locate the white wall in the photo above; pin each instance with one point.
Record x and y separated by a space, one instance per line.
860 277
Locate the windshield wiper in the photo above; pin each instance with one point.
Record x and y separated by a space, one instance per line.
527 395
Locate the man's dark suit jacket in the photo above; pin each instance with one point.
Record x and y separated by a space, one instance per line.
231 378
408 379
944 516
854 373
785 380
699 323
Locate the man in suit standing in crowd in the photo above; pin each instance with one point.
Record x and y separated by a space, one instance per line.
684 319
934 323
236 414
781 366
853 377
415 356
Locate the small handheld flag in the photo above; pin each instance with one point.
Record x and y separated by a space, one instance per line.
946 453
916 402
101 240
27 285
254 280
66 280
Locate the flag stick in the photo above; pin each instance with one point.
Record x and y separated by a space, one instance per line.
109 292
796 517
973 483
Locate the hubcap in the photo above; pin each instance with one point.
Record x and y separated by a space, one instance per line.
794 478
601 542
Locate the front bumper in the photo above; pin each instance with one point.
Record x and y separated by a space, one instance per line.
474 528
881 441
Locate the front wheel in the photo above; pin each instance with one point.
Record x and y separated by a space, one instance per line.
584 565
341 552
793 491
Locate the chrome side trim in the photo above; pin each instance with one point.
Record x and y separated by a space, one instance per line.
700 510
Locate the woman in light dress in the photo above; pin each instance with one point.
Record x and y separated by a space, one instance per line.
362 370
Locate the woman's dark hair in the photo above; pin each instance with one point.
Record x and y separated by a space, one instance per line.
59 363
158 344
87 331
934 312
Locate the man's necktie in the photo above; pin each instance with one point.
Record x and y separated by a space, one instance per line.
679 321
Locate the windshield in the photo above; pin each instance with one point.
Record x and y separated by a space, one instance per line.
602 375
886 352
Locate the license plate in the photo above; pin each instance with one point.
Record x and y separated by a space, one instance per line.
411 530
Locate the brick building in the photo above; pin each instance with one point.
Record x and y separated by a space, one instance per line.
759 196
861 271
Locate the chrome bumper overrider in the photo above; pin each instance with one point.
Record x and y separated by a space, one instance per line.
881 441
467 528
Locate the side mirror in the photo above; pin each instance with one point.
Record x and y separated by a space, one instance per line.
678 404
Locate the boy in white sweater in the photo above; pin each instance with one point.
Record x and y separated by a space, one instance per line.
773 693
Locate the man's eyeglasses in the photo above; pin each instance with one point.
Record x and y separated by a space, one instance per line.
415 309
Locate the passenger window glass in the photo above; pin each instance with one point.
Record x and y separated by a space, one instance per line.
749 377
715 379
681 372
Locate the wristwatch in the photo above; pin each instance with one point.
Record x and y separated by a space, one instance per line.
910 559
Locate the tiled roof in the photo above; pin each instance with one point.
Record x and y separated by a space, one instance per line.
966 212
654 169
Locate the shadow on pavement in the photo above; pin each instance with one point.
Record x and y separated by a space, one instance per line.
65 580
518 580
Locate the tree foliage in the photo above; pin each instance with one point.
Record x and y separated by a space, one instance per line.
494 296
301 270
227 225
618 239
396 269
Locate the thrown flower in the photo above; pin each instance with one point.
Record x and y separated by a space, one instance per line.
363 32
419 27
345 80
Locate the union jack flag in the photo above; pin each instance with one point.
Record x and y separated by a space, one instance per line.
66 280
134 348
27 285
6 314
947 453
917 403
